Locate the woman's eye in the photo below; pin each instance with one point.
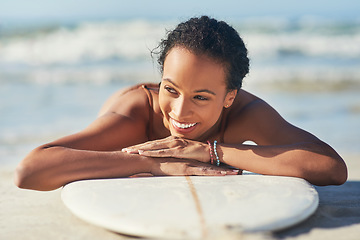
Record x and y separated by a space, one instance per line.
198 97
170 90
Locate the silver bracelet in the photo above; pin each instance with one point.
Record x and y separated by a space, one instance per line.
216 154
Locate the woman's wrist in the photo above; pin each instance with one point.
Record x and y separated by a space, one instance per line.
147 164
212 158
214 151
139 163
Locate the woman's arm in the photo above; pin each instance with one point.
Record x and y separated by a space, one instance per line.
94 153
303 160
313 161
60 165
282 149
91 153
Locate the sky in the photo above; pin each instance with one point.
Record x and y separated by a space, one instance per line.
74 10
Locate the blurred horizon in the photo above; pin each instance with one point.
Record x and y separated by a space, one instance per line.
81 10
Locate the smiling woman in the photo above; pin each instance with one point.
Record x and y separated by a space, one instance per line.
195 94
197 116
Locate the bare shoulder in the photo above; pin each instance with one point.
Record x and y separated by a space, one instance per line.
131 102
251 118
243 102
121 122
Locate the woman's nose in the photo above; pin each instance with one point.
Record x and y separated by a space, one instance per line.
181 108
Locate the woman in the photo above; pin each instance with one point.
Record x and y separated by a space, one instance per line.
193 123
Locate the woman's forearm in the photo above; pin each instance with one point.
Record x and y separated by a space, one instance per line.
48 168
314 162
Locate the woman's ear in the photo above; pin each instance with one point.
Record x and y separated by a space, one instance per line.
229 98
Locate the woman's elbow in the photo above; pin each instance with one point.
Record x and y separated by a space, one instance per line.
28 176
334 174
340 173
21 176
25 179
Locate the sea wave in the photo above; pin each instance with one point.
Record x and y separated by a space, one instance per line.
111 51
132 40
83 44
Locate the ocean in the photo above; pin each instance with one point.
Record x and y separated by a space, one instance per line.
55 77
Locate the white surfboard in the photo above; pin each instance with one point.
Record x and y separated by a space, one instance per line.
192 207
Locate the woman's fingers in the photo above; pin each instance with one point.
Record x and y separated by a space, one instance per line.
150 145
165 143
178 167
176 153
159 153
172 147
136 148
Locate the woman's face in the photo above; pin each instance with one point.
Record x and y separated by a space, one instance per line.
192 93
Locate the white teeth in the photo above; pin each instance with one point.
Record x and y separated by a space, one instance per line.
181 125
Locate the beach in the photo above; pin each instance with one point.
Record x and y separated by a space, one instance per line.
54 79
27 214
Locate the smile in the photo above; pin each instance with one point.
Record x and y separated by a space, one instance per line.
182 125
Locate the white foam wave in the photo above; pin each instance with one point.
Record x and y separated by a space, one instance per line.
304 78
131 40
269 46
98 75
87 42
107 52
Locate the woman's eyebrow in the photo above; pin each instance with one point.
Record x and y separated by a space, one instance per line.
205 90
168 80
197 91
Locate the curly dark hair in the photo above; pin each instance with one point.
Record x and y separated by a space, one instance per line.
215 39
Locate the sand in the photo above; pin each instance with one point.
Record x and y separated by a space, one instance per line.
26 214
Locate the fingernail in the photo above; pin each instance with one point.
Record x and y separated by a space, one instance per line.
223 172
127 150
140 151
236 170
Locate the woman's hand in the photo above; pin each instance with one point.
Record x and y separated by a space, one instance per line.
185 167
172 146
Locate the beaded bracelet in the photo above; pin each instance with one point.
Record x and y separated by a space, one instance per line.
216 154
211 153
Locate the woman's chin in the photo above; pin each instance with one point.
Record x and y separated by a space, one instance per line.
182 135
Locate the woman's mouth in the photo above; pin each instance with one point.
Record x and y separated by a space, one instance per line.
182 127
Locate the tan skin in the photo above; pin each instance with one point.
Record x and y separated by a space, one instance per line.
187 110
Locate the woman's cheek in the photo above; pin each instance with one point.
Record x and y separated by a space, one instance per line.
165 109
208 114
